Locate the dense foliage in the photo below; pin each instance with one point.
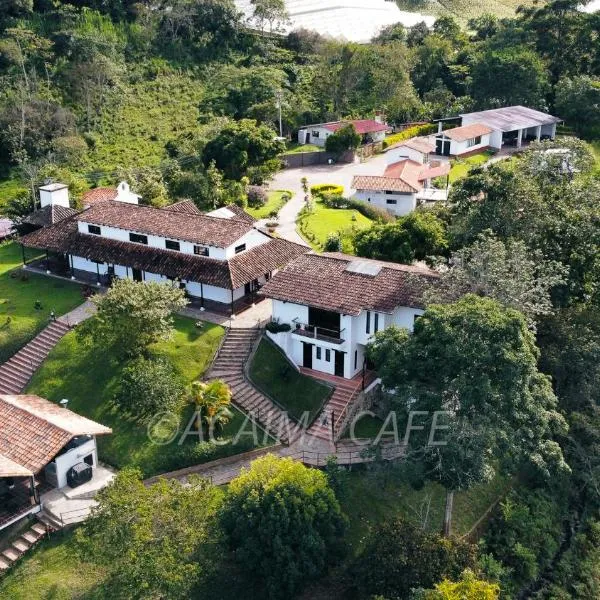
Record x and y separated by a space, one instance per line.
400 556
283 523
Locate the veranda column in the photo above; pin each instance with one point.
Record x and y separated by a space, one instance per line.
519 138
538 133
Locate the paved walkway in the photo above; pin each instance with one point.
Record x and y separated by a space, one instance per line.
340 174
253 316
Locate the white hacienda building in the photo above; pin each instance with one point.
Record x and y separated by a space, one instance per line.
334 303
221 259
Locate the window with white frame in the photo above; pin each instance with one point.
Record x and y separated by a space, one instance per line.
474 141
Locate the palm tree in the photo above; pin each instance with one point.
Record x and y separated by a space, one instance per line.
212 402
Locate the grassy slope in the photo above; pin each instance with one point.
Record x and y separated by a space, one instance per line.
145 116
17 300
460 167
88 377
318 224
9 188
369 501
51 571
274 203
296 148
271 372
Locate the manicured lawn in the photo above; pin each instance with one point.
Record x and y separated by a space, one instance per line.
317 224
369 499
460 167
296 148
366 427
54 571
274 203
19 319
271 372
88 376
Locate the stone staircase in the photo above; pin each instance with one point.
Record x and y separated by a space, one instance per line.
343 394
229 366
25 542
18 370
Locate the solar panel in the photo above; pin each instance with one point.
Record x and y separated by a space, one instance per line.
364 268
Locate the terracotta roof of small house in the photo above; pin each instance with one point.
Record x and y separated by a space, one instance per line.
420 144
198 229
34 430
99 194
348 284
362 126
184 206
230 274
49 215
467 132
382 183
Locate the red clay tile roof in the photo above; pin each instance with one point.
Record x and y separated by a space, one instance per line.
348 284
420 144
461 134
184 206
53 213
407 170
198 229
100 194
430 171
362 126
34 430
379 183
232 274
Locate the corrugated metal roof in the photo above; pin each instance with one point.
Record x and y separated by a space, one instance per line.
510 118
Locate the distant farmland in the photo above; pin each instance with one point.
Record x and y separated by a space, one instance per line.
463 10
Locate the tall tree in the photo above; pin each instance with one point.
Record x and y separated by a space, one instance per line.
284 524
155 541
509 76
509 272
133 315
476 361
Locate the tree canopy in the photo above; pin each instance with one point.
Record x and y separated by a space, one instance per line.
284 524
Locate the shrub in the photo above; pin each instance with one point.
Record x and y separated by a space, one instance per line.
275 327
334 200
371 212
333 243
345 138
257 196
321 189
149 386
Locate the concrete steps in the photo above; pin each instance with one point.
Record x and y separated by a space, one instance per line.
16 372
229 367
22 545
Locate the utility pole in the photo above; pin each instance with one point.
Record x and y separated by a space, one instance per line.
279 96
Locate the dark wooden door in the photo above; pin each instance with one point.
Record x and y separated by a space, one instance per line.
137 275
339 363
307 353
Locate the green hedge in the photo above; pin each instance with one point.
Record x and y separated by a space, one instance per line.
409 133
367 210
321 189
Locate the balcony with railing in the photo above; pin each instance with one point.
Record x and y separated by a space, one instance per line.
317 332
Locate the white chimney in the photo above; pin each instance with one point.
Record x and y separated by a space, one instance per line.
124 194
378 116
54 194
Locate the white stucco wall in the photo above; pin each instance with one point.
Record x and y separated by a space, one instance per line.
251 239
397 154
405 203
83 264
458 148
154 241
69 459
